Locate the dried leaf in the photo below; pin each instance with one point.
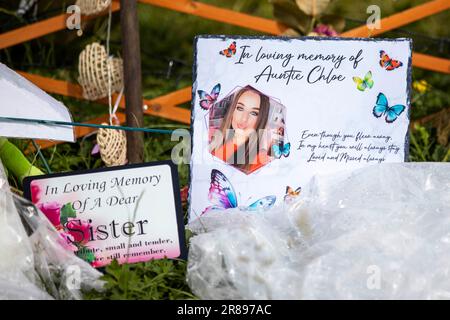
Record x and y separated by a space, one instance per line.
290 33
289 14
443 126
313 7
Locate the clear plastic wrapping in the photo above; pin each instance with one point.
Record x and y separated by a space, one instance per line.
33 261
381 232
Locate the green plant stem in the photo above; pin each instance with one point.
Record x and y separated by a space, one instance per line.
311 27
419 151
15 161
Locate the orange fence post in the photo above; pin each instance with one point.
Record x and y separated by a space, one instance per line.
402 18
428 62
220 14
275 28
41 28
163 106
79 131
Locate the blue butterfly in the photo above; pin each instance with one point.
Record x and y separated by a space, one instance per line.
284 150
222 195
382 108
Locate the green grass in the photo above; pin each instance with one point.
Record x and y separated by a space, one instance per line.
153 280
424 146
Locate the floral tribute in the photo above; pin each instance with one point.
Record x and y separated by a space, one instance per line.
75 233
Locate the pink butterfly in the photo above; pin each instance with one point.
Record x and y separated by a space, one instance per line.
222 196
207 100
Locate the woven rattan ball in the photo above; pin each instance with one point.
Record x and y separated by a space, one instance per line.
93 67
89 7
113 146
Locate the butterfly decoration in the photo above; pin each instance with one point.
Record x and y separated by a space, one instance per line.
291 193
230 51
388 63
363 84
281 150
382 108
207 100
222 195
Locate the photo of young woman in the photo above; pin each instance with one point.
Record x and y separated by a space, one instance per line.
242 140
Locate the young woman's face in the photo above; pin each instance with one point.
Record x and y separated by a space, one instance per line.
245 114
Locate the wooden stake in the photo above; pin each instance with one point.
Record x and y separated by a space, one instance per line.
131 51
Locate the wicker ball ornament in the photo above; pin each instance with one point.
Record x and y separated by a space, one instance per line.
93 65
89 7
113 146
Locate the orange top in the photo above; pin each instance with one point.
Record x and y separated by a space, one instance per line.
222 152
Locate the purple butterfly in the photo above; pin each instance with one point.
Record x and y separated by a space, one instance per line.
222 195
207 100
